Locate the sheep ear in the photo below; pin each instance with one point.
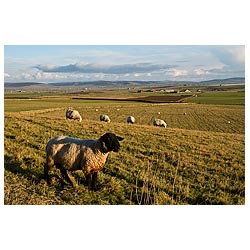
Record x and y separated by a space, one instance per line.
119 138
104 147
105 142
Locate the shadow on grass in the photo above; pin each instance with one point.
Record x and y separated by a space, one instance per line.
15 167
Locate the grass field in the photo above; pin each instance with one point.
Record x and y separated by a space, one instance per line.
220 97
198 159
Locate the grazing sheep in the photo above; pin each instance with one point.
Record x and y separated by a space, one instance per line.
73 114
159 122
70 154
104 118
131 119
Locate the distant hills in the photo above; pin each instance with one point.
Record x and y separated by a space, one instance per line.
23 84
226 81
235 80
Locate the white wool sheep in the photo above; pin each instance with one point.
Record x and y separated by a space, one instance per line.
73 114
71 154
104 118
131 119
159 122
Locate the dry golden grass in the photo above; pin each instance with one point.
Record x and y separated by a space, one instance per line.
198 159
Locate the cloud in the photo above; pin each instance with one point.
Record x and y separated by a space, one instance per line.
37 76
104 69
48 76
26 76
200 72
178 72
231 56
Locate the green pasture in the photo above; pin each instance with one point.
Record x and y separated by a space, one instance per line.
220 97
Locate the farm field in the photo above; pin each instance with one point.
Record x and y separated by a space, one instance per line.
198 159
220 97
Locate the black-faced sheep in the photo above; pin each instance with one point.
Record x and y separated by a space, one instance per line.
104 118
159 122
131 119
73 114
70 154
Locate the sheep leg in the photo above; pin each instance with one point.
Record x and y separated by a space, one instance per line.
66 176
88 180
94 181
46 173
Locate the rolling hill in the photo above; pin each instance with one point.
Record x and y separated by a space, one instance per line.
27 85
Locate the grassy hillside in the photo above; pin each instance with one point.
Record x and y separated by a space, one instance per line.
198 159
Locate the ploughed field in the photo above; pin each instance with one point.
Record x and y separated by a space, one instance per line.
148 99
198 159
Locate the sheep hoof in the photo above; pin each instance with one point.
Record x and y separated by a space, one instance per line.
94 189
50 180
43 181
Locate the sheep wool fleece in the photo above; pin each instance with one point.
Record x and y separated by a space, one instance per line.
75 154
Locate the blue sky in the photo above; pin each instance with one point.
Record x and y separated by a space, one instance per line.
90 63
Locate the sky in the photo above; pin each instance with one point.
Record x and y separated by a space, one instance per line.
66 63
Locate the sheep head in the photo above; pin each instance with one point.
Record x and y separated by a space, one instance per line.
110 142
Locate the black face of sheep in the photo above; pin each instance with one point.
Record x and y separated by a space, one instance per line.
110 142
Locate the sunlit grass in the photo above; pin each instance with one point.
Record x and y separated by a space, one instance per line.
198 159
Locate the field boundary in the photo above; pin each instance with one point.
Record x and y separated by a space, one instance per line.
148 99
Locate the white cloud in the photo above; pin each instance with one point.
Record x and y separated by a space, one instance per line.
26 76
99 76
173 73
200 72
38 75
51 76
179 72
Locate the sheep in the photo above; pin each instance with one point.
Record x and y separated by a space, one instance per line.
159 122
104 118
131 119
73 114
71 154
